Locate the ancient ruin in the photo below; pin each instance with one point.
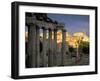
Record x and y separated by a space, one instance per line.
46 58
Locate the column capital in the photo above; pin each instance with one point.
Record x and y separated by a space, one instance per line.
55 30
37 27
43 28
64 30
49 29
32 24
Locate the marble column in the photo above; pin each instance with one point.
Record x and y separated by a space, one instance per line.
63 49
44 64
37 47
55 48
50 53
31 46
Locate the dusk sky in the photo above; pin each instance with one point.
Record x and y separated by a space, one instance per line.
73 23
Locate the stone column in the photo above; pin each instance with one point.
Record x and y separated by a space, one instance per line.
50 53
63 49
55 48
44 48
37 47
31 46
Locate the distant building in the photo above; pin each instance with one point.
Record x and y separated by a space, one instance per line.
70 40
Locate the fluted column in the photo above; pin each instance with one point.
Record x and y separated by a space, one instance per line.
31 46
55 48
50 53
63 49
37 47
44 48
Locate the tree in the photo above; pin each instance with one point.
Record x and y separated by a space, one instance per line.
71 49
85 47
77 43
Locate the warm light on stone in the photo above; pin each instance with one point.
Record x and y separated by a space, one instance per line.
71 40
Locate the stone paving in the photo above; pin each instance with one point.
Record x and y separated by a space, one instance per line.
71 61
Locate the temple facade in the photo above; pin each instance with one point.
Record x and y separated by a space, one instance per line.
43 53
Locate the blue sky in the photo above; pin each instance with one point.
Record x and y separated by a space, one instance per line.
73 23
